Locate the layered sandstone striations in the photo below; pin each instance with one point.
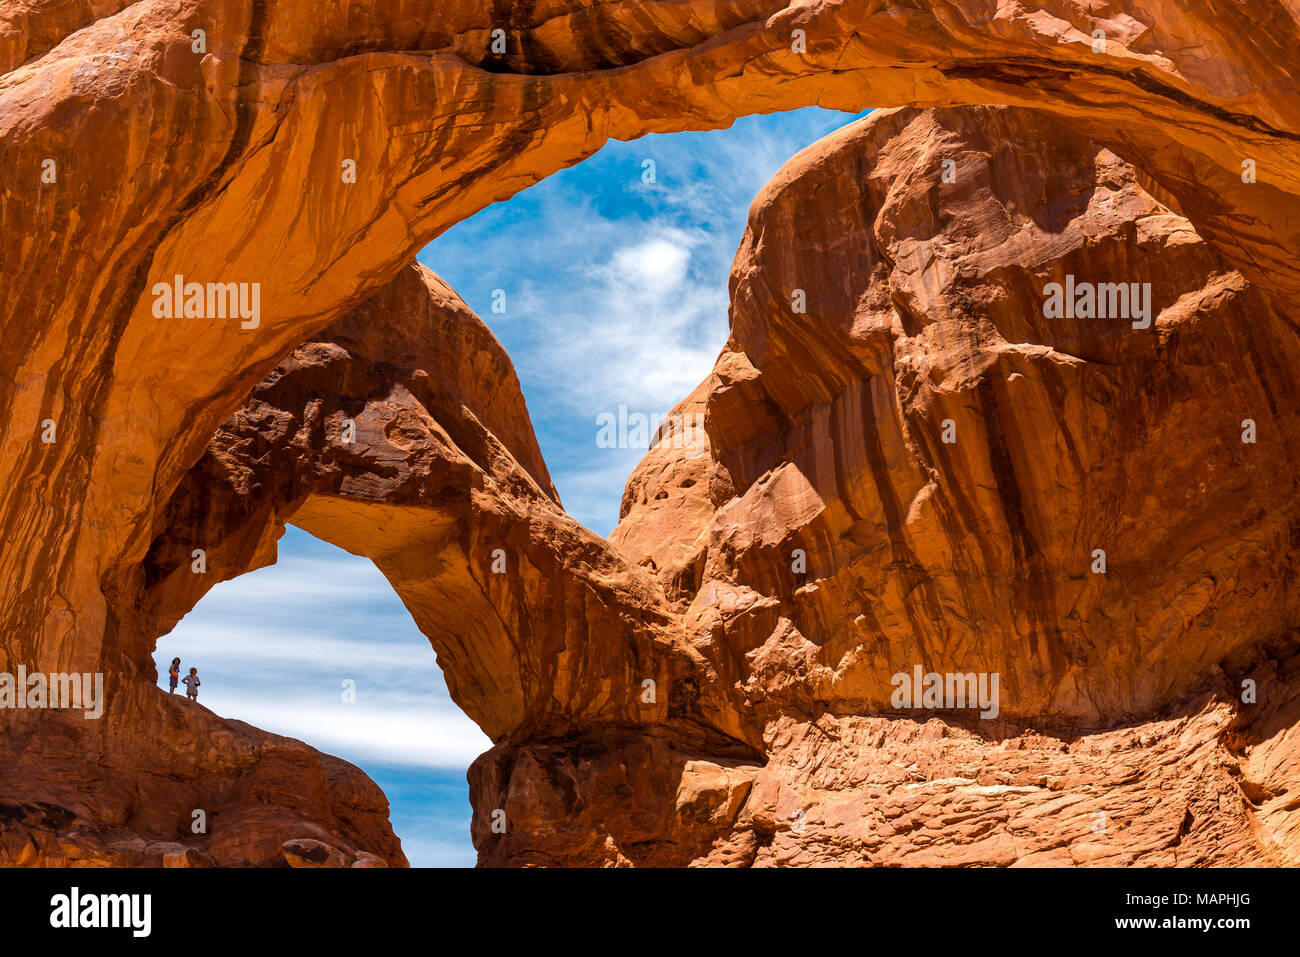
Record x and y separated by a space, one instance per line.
135 152
208 140
848 542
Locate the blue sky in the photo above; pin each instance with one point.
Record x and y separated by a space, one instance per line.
615 293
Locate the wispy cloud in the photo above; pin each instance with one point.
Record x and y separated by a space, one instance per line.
274 648
382 727
616 288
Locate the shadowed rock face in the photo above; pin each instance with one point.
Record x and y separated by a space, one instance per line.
223 164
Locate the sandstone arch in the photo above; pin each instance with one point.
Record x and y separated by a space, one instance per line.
185 145
442 481
161 153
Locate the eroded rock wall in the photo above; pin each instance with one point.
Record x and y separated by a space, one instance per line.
949 460
138 150
208 140
832 538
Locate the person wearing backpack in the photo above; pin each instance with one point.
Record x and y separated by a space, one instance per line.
174 674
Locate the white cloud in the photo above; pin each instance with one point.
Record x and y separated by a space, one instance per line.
381 727
657 265
649 326
273 648
618 288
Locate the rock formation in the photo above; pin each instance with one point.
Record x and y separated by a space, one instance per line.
400 434
950 461
310 152
832 538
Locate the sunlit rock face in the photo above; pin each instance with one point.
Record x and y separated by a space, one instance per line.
917 459
210 140
311 151
917 463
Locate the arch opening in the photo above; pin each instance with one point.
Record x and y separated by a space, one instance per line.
284 458
318 647
95 501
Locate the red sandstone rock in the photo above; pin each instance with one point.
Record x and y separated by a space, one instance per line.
924 304
224 164
925 317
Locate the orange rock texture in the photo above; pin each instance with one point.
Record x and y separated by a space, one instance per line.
314 149
833 538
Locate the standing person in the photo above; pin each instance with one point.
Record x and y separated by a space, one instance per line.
192 684
174 674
